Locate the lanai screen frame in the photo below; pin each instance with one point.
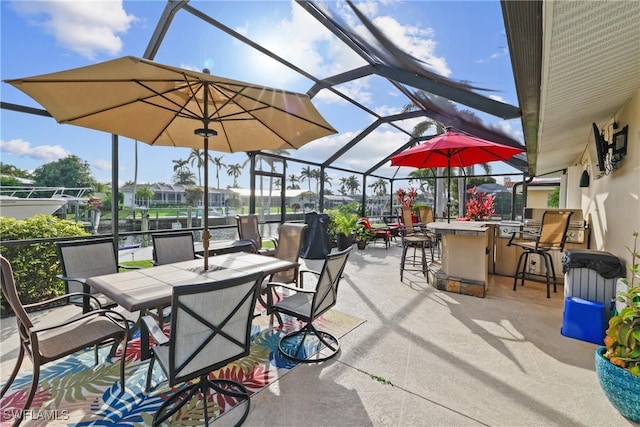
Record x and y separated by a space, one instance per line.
384 60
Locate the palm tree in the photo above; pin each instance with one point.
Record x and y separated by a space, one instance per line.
184 177
326 179
353 184
306 174
197 156
145 193
379 187
293 178
180 164
217 162
235 171
343 186
425 178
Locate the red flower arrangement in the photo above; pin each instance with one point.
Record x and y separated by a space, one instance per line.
406 198
480 205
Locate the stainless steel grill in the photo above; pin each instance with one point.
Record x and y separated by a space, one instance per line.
533 221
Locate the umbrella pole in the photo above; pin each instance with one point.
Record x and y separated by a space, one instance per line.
449 189
205 234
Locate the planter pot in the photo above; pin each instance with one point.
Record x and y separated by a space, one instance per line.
343 241
361 244
621 388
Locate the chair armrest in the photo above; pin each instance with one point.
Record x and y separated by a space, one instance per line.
72 279
65 296
301 275
100 312
287 286
273 239
154 329
522 233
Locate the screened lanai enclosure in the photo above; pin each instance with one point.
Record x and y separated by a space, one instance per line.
307 179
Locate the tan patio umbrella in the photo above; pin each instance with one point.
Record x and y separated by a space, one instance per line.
164 105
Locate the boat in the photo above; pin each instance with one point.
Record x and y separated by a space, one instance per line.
24 202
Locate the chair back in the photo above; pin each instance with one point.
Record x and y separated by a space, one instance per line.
364 221
553 231
172 247
10 294
326 293
86 258
290 237
210 325
426 214
248 230
407 219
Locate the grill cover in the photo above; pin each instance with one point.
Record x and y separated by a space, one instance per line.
316 243
605 264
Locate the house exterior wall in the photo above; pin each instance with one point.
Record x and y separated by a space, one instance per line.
538 198
611 203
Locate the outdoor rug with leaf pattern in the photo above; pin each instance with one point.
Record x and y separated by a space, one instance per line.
75 392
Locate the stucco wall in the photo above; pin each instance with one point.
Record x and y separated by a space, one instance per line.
611 202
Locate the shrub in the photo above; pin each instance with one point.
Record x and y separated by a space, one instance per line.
35 265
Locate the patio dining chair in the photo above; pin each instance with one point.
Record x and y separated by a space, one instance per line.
81 259
46 342
248 229
210 328
290 237
172 247
552 237
307 305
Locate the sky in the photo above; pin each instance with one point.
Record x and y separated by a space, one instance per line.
460 40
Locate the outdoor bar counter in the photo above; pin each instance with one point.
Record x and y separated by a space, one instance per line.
466 258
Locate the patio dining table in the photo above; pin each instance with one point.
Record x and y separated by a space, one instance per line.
145 289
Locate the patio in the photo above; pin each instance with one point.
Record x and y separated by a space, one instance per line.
502 360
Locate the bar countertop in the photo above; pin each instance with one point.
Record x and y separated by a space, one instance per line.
467 228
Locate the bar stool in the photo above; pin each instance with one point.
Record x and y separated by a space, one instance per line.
412 237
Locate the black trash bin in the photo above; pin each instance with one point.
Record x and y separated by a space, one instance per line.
316 243
591 275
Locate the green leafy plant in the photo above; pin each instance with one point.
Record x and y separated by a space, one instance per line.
346 223
35 265
363 234
623 335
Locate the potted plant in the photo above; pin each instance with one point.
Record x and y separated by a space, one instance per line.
345 226
363 236
479 206
618 364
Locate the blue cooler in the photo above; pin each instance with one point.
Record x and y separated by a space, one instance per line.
584 320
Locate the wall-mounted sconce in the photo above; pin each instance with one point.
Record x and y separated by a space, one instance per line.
619 143
610 154
584 179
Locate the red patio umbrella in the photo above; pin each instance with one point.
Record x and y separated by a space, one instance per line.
454 149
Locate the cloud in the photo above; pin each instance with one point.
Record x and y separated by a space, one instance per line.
85 27
103 165
499 54
21 148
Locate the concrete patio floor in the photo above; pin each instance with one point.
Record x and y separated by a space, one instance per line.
425 357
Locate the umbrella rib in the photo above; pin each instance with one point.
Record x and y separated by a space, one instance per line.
282 110
239 93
